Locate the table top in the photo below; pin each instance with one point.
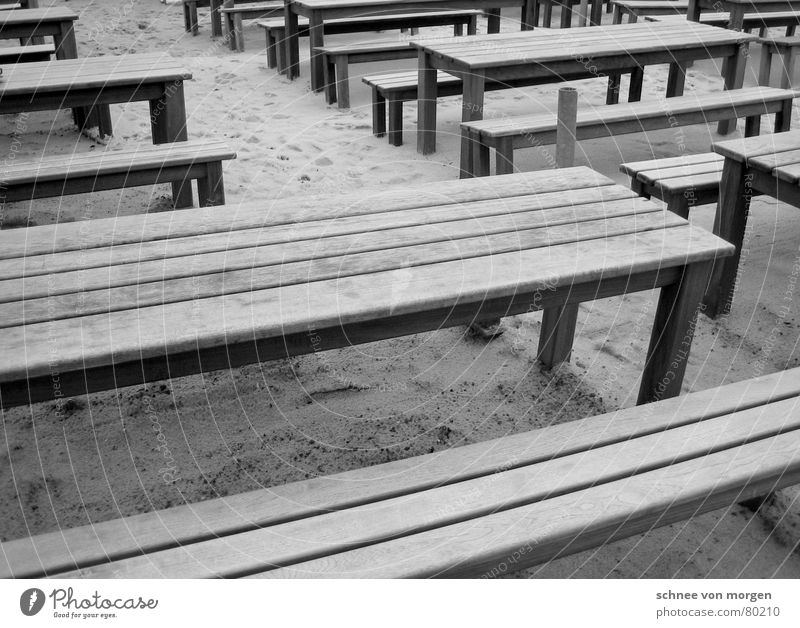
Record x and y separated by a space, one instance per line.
778 154
124 289
544 45
90 72
756 4
25 16
399 5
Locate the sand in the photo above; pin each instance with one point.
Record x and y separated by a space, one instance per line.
267 424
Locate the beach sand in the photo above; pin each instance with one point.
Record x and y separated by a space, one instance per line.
267 424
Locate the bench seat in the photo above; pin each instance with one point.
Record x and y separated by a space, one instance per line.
789 19
179 162
275 29
483 509
504 135
29 53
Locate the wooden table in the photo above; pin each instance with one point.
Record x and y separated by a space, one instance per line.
766 164
88 306
318 11
33 24
95 82
547 55
737 8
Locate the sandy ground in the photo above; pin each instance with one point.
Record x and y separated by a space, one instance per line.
267 424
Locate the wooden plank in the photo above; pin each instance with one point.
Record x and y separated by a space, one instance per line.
191 222
260 278
65 549
790 174
571 523
470 501
99 340
776 159
36 16
758 145
680 172
632 168
143 270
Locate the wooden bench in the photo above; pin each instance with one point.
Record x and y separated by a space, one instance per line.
336 61
276 31
507 134
233 16
396 88
478 510
635 9
681 182
786 49
761 21
190 14
25 54
178 163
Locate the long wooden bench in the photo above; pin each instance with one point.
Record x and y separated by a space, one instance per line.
179 163
786 49
508 134
761 21
275 29
191 22
25 54
391 89
336 60
479 510
234 15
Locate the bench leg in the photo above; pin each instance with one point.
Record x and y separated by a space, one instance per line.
480 158
676 79
329 75
566 14
597 13
472 26
547 14
428 93
616 18
783 119
458 30
635 87
671 339
395 122
272 52
211 188
281 51
752 126
316 40
787 68
557 334
190 18
730 223
342 82
765 67
678 204
790 29
237 42
504 149
378 113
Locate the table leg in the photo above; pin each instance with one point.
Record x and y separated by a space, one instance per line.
291 42
168 123
216 17
64 42
316 40
733 79
529 15
547 13
426 106
676 79
493 20
671 339
597 12
566 13
472 109
635 87
693 12
557 334
730 223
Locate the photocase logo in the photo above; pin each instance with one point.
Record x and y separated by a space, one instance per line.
31 601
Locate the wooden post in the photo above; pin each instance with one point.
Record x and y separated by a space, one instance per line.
566 127
558 323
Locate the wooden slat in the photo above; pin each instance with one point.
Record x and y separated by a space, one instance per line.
680 172
470 502
573 522
36 16
633 168
99 340
142 270
260 278
790 173
139 228
696 182
144 156
777 159
66 549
